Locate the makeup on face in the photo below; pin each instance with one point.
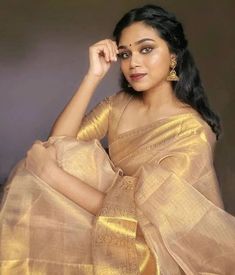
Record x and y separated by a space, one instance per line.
124 50
136 43
136 77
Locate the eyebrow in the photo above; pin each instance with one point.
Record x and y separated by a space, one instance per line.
136 43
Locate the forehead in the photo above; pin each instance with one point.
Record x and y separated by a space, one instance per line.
137 31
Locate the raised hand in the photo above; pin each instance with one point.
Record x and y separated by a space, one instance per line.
101 54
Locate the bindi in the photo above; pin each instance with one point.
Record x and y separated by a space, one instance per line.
136 43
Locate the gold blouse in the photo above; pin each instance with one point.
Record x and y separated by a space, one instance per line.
180 211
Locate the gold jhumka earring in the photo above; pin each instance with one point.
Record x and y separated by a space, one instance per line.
172 74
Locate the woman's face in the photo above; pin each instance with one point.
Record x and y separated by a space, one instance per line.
142 51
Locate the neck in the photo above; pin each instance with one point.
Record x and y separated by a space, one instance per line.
160 97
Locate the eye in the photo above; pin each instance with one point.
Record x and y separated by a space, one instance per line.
146 49
123 55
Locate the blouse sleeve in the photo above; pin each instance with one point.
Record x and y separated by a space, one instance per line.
180 198
95 124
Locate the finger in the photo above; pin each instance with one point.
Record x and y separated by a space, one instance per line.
37 145
36 148
38 141
106 53
110 49
103 51
114 48
107 48
47 144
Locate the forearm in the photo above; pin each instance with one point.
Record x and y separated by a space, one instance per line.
69 120
76 190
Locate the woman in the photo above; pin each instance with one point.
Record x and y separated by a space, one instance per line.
161 211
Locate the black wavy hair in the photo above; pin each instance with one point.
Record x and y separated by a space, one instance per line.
189 88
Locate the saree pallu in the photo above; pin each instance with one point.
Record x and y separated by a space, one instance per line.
178 202
43 232
162 213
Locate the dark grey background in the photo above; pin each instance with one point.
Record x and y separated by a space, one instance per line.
44 55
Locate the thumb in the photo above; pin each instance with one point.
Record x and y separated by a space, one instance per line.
37 141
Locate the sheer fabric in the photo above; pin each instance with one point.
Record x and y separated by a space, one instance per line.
162 214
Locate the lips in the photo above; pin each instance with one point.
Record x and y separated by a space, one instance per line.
136 76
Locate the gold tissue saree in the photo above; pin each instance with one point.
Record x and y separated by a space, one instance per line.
42 231
162 213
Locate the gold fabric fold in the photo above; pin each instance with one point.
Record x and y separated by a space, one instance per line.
43 232
178 203
162 214
114 233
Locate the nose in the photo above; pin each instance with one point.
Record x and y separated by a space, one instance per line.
134 60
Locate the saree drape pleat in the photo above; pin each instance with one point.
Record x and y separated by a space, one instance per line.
162 213
42 231
179 207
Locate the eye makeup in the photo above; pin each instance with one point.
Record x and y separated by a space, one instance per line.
136 43
126 53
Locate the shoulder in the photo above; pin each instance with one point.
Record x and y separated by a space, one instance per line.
197 131
190 150
119 97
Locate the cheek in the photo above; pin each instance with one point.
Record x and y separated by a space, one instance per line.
159 62
124 67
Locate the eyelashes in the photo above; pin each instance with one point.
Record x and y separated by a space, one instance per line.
149 49
123 55
126 54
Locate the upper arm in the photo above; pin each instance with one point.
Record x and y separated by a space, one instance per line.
187 166
95 124
190 160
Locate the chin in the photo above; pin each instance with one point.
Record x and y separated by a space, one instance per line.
140 88
137 89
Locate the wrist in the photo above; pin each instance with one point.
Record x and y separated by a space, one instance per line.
51 174
93 77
